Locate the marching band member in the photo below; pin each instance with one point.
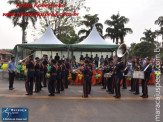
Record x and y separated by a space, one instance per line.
132 79
37 75
137 68
118 77
110 80
63 67
59 78
90 77
86 71
30 75
147 72
67 67
45 63
53 78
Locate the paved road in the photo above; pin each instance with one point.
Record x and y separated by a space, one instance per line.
70 107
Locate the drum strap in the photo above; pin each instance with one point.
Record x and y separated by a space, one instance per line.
146 67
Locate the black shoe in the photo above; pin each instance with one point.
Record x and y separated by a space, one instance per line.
136 93
11 88
103 88
27 94
51 95
142 96
57 92
145 96
115 96
124 88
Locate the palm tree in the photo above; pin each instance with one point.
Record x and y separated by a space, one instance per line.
89 22
116 30
149 36
22 21
159 22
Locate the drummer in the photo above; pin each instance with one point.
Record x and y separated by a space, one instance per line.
110 80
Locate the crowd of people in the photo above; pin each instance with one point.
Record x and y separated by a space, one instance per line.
60 69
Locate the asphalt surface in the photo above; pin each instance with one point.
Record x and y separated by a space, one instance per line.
69 106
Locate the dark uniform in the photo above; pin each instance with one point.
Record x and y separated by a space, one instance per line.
137 68
86 72
124 78
62 76
30 77
110 81
147 73
67 67
105 81
59 78
45 62
90 77
118 78
52 80
41 74
37 78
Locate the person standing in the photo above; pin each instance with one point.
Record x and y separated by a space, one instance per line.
67 67
57 58
96 59
102 60
147 72
37 76
45 63
59 77
30 75
53 78
118 77
86 72
12 69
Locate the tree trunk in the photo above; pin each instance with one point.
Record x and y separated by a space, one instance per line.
116 40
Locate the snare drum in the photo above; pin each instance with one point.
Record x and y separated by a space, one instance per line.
107 75
138 74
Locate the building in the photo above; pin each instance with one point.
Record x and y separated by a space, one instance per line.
4 55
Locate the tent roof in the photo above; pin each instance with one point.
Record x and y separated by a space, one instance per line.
47 38
94 38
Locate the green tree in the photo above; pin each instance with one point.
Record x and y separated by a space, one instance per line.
59 23
131 50
159 22
149 36
144 49
117 30
89 22
23 21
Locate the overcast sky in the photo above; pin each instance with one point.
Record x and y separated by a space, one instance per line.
142 14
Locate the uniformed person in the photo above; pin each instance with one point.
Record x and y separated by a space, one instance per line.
30 75
110 79
63 67
118 77
41 74
37 75
67 67
53 78
90 77
137 68
45 63
147 71
59 77
86 72
132 79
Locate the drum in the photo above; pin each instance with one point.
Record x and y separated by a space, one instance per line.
129 75
138 74
107 75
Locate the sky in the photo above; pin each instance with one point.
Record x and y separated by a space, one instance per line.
141 13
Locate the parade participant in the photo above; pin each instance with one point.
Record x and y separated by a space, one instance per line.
147 71
105 81
118 77
41 74
132 79
59 78
67 67
110 79
12 69
30 75
124 77
90 77
45 63
52 79
86 71
137 68
63 67
96 59
37 75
